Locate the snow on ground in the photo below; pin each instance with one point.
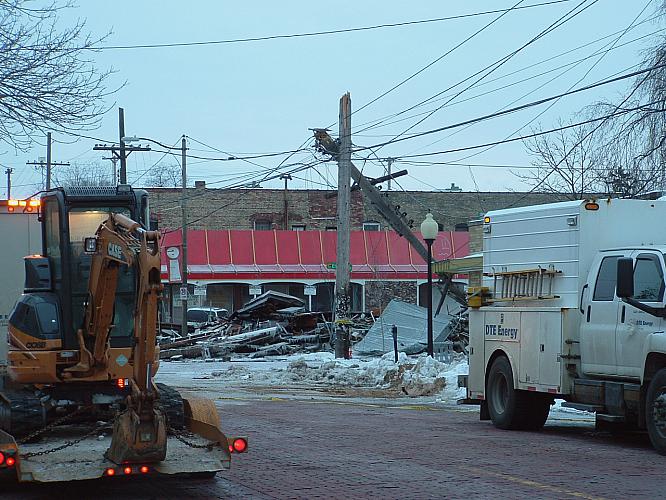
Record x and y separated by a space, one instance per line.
409 377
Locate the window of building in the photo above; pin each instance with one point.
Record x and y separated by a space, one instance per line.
263 225
372 225
298 227
604 289
331 228
648 278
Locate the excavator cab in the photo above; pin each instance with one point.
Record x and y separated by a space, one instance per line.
47 317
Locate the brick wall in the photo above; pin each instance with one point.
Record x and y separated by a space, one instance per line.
379 293
239 208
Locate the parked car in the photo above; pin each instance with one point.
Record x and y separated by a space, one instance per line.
201 315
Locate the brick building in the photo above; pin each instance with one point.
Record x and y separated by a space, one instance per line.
231 217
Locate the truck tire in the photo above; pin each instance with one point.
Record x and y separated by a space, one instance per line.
655 411
509 408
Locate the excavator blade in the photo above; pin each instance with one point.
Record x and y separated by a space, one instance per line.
137 441
201 418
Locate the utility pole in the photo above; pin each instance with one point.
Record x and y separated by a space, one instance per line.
183 206
286 178
122 151
123 155
389 164
114 162
9 171
49 162
342 272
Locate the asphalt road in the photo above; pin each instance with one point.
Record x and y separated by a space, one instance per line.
321 449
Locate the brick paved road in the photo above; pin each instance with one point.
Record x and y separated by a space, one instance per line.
309 449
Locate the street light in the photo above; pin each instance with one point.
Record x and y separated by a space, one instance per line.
183 206
429 228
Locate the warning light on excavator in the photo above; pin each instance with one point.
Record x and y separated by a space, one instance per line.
240 445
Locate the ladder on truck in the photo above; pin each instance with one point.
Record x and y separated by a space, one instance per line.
526 284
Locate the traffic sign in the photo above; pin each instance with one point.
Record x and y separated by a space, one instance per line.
183 293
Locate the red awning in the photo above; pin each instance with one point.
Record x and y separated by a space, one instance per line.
232 255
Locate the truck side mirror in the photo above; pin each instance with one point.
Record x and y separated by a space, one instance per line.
625 277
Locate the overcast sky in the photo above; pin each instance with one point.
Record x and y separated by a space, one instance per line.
261 97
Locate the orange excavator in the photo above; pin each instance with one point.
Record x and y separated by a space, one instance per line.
82 353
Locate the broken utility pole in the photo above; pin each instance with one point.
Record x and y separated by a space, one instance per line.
343 271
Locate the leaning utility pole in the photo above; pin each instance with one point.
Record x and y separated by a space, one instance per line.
183 230
342 271
9 171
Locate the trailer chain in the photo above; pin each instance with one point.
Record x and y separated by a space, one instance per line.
63 446
52 425
179 436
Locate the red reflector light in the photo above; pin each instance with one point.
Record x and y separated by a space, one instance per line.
127 470
2 458
10 209
10 461
240 445
110 472
144 469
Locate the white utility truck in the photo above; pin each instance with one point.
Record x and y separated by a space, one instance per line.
572 306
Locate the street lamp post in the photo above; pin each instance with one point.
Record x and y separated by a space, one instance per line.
183 263
429 228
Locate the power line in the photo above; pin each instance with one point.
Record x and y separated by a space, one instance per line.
313 33
571 14
517 108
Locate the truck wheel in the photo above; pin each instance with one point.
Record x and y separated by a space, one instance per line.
501 395
510 408
655 411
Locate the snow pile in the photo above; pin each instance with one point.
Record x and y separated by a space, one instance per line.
420 376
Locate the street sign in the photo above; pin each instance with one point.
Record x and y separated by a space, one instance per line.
310 290
334 266
200 290
255 290
183 293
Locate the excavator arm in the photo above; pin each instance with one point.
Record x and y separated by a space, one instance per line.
139 433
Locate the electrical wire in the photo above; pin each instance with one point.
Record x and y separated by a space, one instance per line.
313 33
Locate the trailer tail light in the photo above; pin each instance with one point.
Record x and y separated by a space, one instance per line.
10 461
240 445
144 469
127 470
2 458
110 472
592 205
12 203
33 203
122 383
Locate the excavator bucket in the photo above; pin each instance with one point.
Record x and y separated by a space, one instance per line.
136 440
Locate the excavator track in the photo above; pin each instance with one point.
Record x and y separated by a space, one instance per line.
171 403
23 414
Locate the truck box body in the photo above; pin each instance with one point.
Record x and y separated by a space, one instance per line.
21 236
567 236
541 337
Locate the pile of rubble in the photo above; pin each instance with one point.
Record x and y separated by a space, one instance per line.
271 324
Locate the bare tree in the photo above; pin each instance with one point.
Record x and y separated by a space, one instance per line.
46 80
565 162
165 176
82 174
